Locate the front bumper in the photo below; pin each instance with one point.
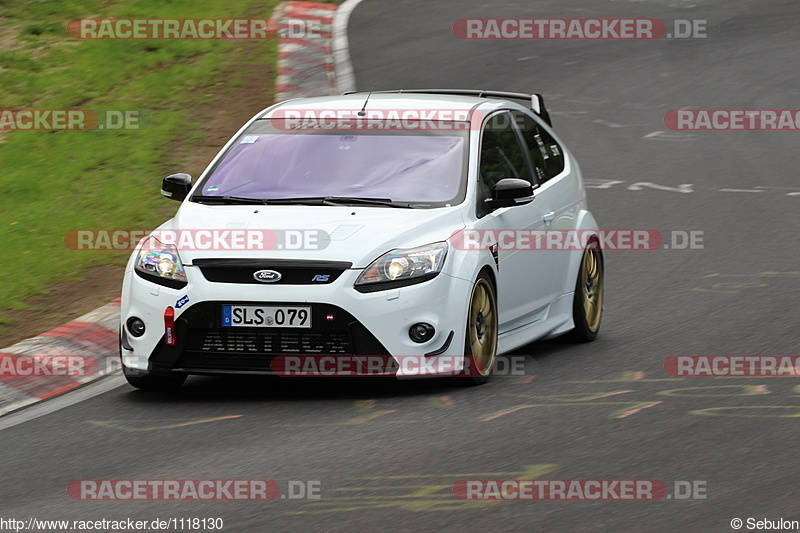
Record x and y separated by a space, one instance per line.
346 324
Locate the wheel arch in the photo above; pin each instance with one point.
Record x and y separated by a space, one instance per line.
585 223
491 274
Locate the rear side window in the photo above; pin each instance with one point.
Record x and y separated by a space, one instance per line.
547 155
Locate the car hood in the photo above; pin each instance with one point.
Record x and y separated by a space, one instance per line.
354 234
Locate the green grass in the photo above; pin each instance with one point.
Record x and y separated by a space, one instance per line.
51 182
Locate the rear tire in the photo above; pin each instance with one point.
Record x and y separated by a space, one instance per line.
587 306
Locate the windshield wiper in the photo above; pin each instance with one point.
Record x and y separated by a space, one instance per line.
336 200
318 200
385 202
227 200
313 200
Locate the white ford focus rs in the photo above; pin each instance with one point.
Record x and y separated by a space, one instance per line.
428 230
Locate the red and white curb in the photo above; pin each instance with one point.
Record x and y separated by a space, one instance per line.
305 51
315 64
60 360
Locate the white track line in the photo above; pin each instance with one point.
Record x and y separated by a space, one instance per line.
46 407
345 76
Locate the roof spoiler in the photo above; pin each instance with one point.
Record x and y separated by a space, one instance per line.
536 101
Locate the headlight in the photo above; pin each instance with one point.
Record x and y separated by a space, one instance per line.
403 267
160 263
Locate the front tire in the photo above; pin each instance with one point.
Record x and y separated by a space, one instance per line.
480 345
587 306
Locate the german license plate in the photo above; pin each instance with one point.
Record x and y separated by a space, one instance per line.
256 316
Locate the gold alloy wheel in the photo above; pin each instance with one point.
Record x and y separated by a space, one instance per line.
482 327
592 286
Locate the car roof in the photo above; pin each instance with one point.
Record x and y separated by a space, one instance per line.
392 102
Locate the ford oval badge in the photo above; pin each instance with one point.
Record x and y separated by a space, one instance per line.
267 276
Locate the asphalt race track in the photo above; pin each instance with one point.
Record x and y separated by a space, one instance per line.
386 454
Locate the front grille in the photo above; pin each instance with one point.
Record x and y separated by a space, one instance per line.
364 342
292 272
266 342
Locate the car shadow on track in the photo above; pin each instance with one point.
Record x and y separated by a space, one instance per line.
521 364
207 389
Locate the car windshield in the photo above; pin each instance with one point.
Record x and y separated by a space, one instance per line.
412 167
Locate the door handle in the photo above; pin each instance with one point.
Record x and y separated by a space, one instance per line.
549 217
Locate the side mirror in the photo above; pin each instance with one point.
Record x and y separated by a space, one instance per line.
509 192
176 186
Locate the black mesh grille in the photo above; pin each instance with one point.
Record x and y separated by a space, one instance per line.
204 344
364 342
266 342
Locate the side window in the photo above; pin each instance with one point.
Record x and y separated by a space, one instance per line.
502 155
546 154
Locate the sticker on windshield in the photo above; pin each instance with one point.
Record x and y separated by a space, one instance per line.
348 138
212 188
250 139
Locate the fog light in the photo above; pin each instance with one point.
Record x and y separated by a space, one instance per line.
421 332
135 326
